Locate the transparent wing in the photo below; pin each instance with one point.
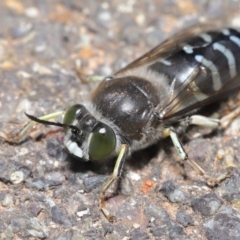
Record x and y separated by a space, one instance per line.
171 45
188 99
187 96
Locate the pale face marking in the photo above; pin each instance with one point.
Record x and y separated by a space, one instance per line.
74 149
215 74
230 58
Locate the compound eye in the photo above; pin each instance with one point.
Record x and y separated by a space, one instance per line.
102 142
71 113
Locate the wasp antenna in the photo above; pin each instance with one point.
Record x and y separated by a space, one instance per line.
35 119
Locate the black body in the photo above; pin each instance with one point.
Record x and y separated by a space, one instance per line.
127 102
178 85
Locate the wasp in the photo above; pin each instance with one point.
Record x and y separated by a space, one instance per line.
152 98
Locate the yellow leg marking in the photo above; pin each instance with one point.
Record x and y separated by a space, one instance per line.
116 173
117 168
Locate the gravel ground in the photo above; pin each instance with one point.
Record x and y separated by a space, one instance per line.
44 194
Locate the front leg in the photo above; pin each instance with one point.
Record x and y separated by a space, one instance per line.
117 171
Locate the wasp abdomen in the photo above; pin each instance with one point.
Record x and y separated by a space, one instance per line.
128 102
211 59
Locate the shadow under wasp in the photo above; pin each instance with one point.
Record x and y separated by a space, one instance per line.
138 105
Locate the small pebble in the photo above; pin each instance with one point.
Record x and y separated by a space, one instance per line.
36 228
82 213
184 218
136 225
207 205
23 151
7 201
223 226
53 179
17 177
172 193
58 216
20 30
104 16
37 183
32 12
133 176
93 182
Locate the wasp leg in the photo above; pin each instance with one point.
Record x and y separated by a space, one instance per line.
211 122
20 136
93 78
114 176
211 181
201 121
226 120
214 123
89 78
182 153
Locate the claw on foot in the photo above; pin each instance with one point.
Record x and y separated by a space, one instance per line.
11 137
111 218
213 181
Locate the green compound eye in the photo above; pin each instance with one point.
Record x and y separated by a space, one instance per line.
70 114
102 142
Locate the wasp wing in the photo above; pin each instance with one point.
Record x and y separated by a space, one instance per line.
170 46
183 103
197 89
187 96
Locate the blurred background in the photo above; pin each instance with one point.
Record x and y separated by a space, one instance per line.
45 48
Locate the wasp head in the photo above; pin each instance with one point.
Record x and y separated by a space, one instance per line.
87 138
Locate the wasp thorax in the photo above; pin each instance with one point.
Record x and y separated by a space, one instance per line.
90 139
